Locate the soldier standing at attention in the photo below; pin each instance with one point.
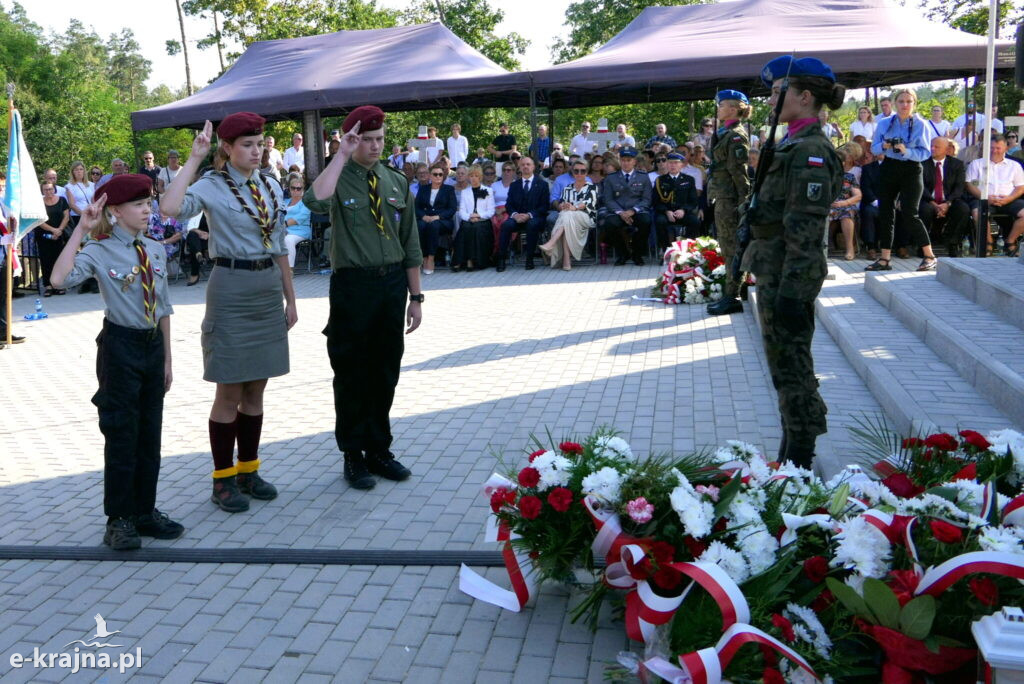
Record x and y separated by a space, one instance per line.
375 254
788 228
250 301
133 352
729 185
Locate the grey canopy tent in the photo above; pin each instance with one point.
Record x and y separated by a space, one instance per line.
425 66
689 52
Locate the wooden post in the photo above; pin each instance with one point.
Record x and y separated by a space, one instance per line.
312 130
9 247
533 124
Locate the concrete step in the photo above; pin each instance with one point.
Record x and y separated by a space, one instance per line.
917 390
978 344
996 284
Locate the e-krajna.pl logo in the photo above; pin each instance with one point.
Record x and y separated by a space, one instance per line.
79 659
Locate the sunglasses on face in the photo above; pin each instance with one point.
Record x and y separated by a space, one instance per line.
437 175
661 160
296 188
579 172
95 173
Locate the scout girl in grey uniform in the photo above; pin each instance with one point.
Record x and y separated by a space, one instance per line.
133 358
250 302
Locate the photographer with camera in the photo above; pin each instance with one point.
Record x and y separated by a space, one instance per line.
903 140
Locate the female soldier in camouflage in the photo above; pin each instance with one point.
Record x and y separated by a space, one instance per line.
788 223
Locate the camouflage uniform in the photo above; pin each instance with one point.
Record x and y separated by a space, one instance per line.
788 226
728 187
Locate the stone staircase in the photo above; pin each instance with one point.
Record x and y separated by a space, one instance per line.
936 350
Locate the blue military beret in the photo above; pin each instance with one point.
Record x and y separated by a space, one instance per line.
628 151
805 66
731 95
675 155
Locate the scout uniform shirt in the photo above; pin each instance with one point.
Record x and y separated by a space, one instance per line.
788 223
728 173
114 262
356 240
234 233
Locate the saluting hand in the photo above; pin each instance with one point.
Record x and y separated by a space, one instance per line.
350 141
201 145
92 213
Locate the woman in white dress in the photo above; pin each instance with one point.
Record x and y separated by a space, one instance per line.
575 219
864 125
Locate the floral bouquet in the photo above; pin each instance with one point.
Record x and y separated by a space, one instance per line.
695 272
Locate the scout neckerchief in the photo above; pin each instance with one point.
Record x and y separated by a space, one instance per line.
146 278
264 219
375 206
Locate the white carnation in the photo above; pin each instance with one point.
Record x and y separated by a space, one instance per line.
1002 440
1005 539
604 484
554 469
863 548
613 447
758 547
730 560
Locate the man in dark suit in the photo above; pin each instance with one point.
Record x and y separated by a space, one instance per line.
624 216
675 203
870 184
944 179
527 209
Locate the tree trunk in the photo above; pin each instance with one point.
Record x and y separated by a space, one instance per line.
184 48
220 45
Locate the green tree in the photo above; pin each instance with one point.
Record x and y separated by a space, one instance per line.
476 23
127 69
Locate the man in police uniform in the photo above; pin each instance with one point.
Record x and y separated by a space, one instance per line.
788 226
625 205
375 254
728 186
675 203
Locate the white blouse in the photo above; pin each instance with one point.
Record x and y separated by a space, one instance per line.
865 128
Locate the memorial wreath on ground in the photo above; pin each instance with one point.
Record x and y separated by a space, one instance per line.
694 272
726 564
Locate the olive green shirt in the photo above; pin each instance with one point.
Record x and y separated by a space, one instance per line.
356 241
788 224
114 262
728 177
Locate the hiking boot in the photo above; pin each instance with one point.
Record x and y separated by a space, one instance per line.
356 473
385 465
158 526
724 306
121 535
226 495
255 486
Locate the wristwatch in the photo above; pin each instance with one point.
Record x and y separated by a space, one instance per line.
416 298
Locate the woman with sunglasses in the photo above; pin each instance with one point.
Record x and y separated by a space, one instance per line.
500 190
706 132
296 217
576 214
435 214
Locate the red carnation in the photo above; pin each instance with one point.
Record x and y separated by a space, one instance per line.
695 547
975 439
985 590
912 442
903 583
498 499
901 485
785 626
529 477
943 441
560 499
570 448
536 453
772 676
824 600
946 532
816 568
968 472
529 507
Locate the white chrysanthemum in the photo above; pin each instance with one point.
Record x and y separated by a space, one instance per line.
730 560
856 582
696 515
863 548
613 447
995 538
746 507
873 491
811 630
604 484
758 547
553 468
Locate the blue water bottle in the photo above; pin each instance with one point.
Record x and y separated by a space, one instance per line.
39 314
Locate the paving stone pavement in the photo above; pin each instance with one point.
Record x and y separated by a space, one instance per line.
499 357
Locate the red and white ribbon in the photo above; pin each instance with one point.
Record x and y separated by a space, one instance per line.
707 665
989 500
878 519
1013 512
936 580
609 529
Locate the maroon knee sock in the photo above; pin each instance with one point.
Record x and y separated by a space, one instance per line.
222 444
249 430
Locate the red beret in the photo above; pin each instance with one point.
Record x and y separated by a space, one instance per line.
370 118
239 124
127 187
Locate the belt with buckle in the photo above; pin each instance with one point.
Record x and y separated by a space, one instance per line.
245 264
372 270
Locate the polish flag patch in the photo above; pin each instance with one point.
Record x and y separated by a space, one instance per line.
815 161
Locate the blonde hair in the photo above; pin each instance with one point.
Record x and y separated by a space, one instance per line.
475 170
910 91
871 115
743 110
104 226
851 151
71 174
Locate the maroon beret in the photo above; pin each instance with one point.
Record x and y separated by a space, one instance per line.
239 124
127 187
370 118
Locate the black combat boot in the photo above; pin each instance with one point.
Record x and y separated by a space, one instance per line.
383 463
121 535
725 305
158 525
356 474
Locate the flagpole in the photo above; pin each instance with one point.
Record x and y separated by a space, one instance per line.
9 247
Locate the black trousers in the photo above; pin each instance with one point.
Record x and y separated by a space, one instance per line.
666 230
901 179
869 225
956 221
624 238
194 246
474 242
49 250
365 341
531 227
130 400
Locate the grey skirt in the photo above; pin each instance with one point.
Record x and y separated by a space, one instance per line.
245 335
